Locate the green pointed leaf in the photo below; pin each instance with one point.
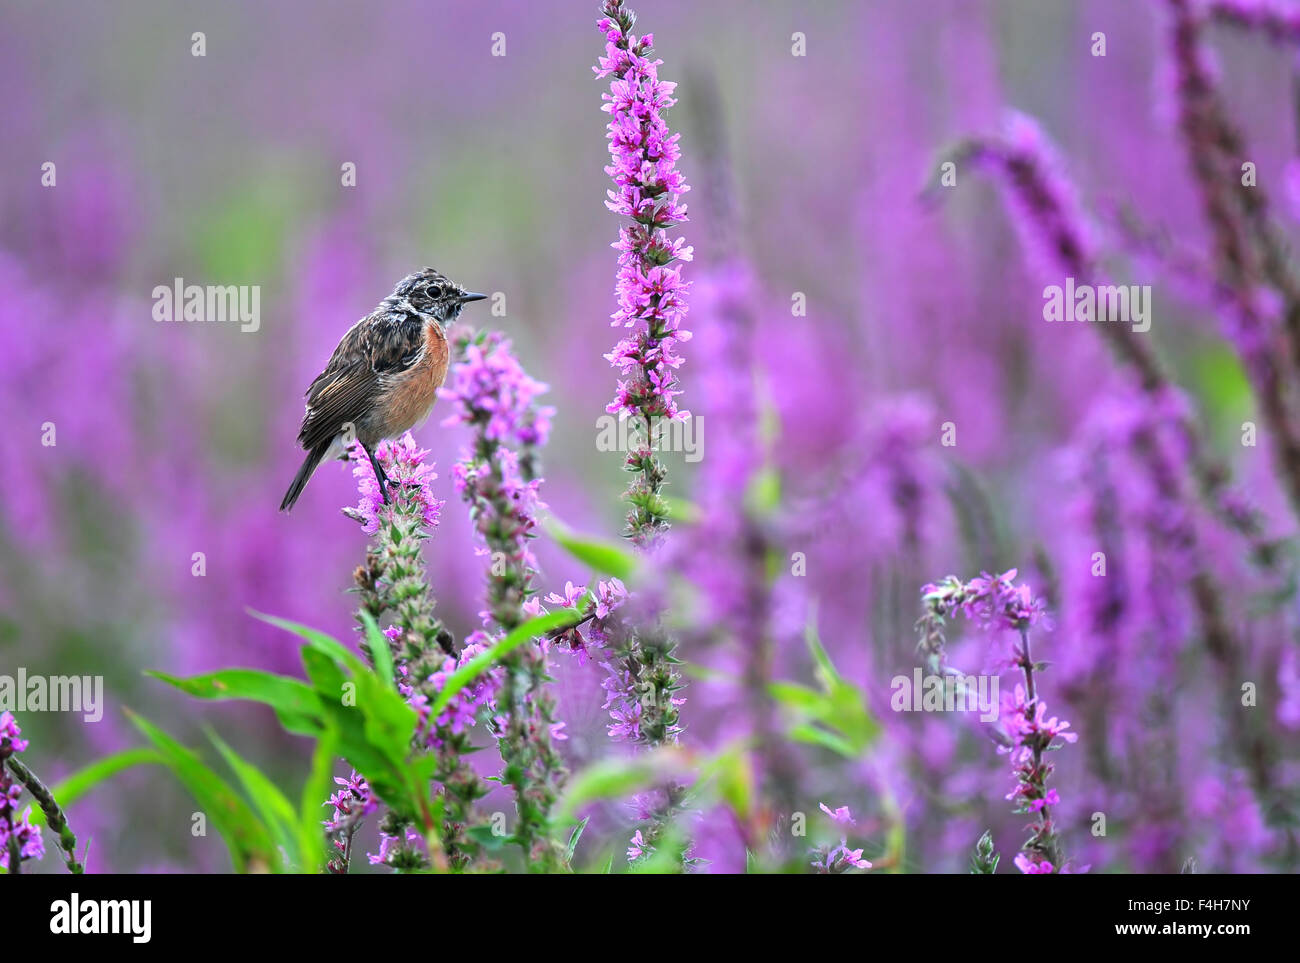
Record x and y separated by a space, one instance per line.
318 640
276 811
615 778
573 839
602 557
482 662
294 702
311 812
804 732
380 653
246 838
361 741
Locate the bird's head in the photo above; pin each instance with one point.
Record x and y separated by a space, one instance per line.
432 293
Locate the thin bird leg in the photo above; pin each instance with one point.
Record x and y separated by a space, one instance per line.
380 474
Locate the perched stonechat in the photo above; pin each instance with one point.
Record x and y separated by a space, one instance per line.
383 376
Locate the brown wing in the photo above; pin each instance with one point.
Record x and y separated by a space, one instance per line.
375 349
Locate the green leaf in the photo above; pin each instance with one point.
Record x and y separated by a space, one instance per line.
246 838
820 656
573 839
489 840
600 556
276 811
320 783
385 719
82 781
318 640
380 762
735 779
682 510
380 654
476 666
805 732
845 723
798 696
294 702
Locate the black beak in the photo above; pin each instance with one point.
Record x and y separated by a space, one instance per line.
464 298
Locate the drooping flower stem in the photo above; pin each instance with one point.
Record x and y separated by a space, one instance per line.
1046 206
54 815
19 839
998 604
1244 244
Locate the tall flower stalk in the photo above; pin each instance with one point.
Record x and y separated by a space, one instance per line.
394 583
643 680
496 478
650 290
1049 216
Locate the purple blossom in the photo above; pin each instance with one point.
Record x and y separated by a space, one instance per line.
490 390
497 479
993 601
610 594
463 711
638 848
11 740
840 815
403 461
838 859
15 829
650 291
1033 864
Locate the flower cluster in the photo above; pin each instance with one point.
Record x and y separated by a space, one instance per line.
17 834
403 462
647 189
1046 212
394 583
642 679
991 600
597 627
352 804
650 291
465 707
491 391
1031 734
497 480
493 395
995 602
834 860
399 847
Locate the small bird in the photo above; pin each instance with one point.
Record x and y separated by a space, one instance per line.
383 377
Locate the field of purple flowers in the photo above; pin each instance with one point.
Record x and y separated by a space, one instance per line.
878 450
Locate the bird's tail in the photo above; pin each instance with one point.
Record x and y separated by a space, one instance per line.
304 475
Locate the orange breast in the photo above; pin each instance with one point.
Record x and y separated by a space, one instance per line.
409 400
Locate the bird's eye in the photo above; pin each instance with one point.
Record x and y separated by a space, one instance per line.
435 292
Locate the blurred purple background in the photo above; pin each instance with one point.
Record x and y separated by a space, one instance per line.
177 438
